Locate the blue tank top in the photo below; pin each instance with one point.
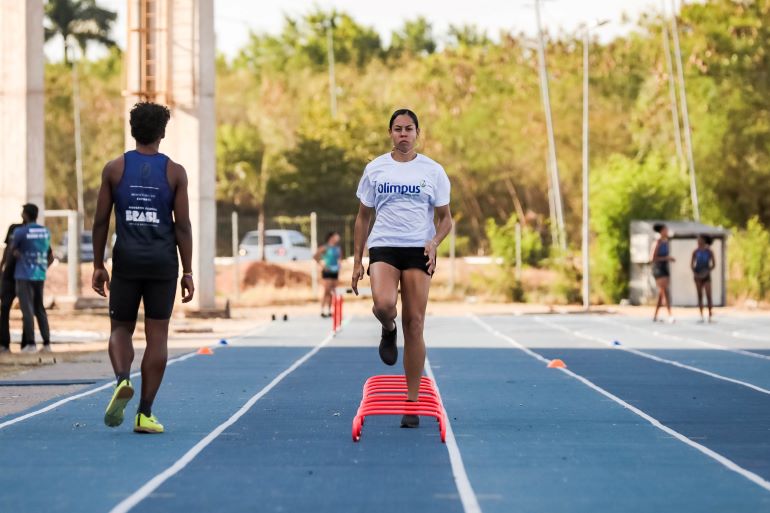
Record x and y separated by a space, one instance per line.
145 247
702 260
663 248
331 258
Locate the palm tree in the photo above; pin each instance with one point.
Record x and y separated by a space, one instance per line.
78 22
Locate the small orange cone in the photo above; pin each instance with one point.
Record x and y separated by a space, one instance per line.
205 350
557 364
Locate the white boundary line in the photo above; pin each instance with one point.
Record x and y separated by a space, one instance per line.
649 356
729 464
691 340
150 486
92 391
467 495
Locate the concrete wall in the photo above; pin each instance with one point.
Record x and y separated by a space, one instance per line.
185 71
22 163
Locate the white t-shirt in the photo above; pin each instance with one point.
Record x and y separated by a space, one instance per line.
403 195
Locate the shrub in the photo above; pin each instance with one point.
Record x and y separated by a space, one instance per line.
623 189
750 261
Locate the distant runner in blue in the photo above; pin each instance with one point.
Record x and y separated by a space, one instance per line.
152 221
702 263
329 255
661 259
31 248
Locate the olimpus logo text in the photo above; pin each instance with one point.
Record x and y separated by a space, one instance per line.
394 188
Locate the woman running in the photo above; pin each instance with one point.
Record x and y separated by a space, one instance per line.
405 190
660 270
702 263
330 256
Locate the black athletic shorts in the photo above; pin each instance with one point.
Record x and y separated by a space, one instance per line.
330 275
660 270
157 296
400 258
702 277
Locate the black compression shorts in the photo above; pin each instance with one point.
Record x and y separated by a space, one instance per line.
400 258
157 296
330 275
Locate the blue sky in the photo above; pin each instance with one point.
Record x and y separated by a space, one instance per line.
235 18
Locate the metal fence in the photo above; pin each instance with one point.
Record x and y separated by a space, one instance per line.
247 221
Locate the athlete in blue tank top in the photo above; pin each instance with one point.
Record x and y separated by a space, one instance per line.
149 194
702 262
661 259
329 256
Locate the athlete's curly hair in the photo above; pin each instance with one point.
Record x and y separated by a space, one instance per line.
148 122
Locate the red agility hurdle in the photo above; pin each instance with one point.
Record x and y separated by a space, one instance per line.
336 312
386 395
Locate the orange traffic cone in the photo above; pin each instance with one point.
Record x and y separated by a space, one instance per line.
205 350
557 364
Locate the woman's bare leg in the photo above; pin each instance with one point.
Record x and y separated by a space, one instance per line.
415 284
699 291
326 301
661 296
384 280
709 300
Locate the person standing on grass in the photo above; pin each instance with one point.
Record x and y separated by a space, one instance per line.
31 248
407 192
661 271
330 256
152 219
702 263
7 290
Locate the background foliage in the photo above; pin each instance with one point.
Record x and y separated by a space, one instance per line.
280 151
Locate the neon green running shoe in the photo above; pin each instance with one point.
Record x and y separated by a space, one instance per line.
124 391
145 424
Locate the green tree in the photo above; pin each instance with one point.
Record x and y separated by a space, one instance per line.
80 22
414 38
750 261
624 189
303 44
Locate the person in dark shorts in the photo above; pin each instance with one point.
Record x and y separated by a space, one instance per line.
702 263
407 191
330 256
31 249
661 271
152 220
7 290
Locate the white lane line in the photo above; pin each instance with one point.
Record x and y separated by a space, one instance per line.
690 339
729 464
92 391
66 400
467 495
135 498
653 357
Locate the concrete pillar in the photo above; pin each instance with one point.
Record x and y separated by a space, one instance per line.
175 65
22 177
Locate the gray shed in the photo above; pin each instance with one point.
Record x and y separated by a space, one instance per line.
683 236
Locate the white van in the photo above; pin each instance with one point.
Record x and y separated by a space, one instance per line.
280 246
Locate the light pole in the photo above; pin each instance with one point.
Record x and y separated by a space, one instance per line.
330 56
554 167
586 233
685 115
672 95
